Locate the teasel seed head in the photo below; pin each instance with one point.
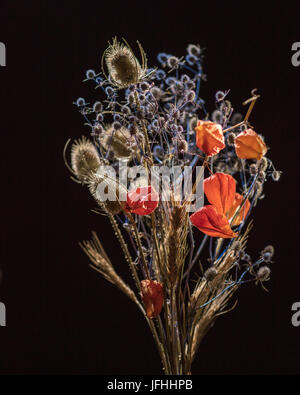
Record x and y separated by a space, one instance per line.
84 159
121 142
100 185
123 67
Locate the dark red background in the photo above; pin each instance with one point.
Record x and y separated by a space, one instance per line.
62 317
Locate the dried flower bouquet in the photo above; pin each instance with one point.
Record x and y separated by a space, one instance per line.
151 144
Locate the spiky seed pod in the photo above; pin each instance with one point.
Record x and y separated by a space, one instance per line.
261 176
236 118
220 96
194 50
191 59
84 159
156 92
121 142
276 175
144 86
173 62
253 169
263 274
98 107
102 185
80 102
230 139
182 146
217 116
190 84
267 253
210 273
191 96
262 164
123 67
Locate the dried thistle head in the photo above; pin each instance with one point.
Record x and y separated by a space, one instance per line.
84 159
123 67
108 193
121 142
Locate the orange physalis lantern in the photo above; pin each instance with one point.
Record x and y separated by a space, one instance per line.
153 297
249 145
220 191
209 221
209 137
142 200
213 220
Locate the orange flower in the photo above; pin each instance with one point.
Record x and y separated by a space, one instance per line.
209 221
153 297
209 137
220 191
249 145
142 200
243 211
213 220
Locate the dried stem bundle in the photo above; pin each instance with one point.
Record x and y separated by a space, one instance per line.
150 134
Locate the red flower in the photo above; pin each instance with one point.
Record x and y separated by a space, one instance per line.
213 220
153 297
249 145
209 221
142 200
209 137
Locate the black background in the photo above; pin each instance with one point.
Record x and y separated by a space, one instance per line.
62 317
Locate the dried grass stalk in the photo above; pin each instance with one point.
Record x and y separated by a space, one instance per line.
101 263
